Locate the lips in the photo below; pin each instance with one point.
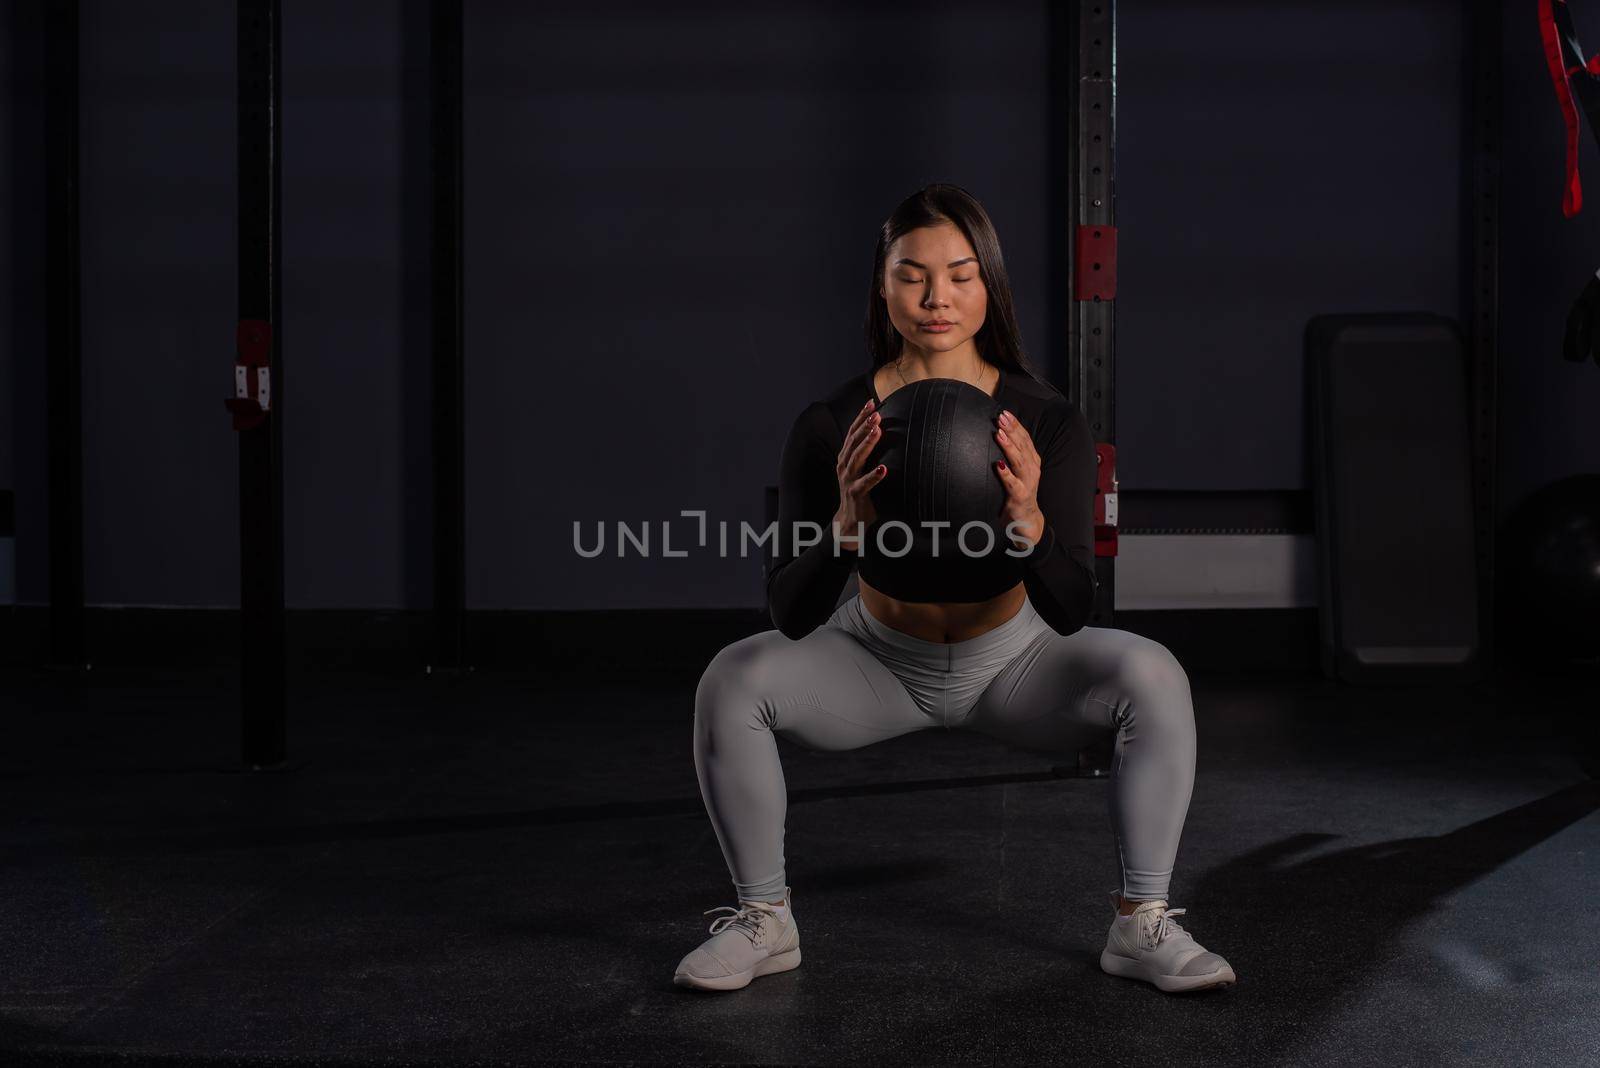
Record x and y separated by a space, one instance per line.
938 322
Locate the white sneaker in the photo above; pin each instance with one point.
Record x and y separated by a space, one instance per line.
757 939
1150 945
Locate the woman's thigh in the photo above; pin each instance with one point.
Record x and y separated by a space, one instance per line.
1067 691
825 691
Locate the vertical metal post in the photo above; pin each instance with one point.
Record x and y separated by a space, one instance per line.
264 738
1481 266
63 275
449 469
1092 193
1061 212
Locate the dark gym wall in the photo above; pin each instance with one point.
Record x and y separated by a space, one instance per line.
159 278
160 477
7 259
159 227
8 295
352 406
1550 409
23 338
1275 162
643 205
1280 161
670 224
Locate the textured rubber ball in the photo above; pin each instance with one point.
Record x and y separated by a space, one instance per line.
938 442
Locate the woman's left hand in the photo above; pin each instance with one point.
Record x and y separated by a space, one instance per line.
1019 473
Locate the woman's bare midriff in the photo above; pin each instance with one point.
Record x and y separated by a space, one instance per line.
942 622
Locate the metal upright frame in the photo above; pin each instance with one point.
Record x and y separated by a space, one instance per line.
264 733
449 451
1481 301
1091 191
63 345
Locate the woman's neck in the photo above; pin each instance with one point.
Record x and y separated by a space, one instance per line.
963 363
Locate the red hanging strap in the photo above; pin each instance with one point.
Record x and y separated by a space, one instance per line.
1564 58
1572 193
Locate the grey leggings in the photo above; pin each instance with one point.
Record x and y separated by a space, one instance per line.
854 681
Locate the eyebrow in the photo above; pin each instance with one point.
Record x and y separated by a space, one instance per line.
954 263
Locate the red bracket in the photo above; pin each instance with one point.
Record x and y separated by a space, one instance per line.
252 375
1105 500
1095 270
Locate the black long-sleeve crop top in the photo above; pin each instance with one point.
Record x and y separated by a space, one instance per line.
1058 573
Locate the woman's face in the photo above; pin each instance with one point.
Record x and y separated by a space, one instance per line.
931 273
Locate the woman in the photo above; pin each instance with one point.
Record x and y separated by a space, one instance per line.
1019 664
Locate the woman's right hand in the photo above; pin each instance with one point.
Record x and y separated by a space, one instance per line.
855 502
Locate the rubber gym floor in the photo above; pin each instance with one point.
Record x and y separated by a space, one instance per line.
505 869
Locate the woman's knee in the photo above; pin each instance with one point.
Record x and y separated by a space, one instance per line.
1149 672
733 683
1147 663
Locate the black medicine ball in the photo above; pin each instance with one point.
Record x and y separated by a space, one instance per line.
938 443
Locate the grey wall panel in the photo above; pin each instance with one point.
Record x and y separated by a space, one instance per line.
1275 162
8 267
670 219
1549 409
344 426
157 216
24 164
8 258
673 213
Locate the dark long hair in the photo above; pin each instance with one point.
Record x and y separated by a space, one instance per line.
998 340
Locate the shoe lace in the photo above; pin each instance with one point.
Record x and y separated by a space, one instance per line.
1165 925
746 918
